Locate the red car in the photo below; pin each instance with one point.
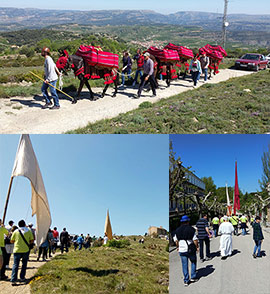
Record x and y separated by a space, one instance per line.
253 61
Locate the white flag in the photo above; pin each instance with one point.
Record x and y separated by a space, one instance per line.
228 198
26 165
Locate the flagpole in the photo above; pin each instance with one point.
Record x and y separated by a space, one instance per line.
7 200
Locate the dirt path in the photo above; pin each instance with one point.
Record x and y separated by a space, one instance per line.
22 288
24 115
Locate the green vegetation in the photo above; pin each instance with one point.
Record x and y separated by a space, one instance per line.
138 268
239 105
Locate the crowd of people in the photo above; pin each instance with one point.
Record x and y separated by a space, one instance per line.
189 240
145 69
20 240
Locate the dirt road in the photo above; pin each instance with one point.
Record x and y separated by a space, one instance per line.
24 115
21 288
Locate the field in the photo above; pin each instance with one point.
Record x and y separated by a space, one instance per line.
138 268
239 105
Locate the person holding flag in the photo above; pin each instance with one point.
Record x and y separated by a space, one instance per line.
234 221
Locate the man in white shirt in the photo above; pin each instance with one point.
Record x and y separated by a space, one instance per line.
225 230
185 237
50 77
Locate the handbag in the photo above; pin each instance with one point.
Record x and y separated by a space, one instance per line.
191 248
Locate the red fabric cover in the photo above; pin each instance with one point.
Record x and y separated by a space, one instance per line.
217 48
61 62
95 57
107 59
182 50
89 54
164 54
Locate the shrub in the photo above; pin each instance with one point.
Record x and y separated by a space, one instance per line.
146 104
118 244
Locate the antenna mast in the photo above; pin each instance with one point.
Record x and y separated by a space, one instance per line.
225 23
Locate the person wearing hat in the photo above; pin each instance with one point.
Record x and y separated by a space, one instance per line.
225 230
50 77
257 236
187 243
148 68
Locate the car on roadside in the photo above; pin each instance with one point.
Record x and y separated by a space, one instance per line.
268 59
252 61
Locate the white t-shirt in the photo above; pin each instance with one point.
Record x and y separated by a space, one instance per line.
106 240
49 68
183 244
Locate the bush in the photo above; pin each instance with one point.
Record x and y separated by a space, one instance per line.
145 104
118 244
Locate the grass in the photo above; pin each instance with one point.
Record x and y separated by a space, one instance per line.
138 268
213 108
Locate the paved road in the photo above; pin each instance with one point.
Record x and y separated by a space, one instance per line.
238 274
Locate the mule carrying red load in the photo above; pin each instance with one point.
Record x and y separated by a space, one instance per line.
215 53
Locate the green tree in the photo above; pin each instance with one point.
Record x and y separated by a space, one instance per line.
266 170
209 185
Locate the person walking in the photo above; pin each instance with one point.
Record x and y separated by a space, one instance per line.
257 236
204 64
140 61
187 244
215 222
80 241
22 238
203 236
55 238
50 77
234 221
64 239
225 230
3 234
127 64
243 220
195 69
148 75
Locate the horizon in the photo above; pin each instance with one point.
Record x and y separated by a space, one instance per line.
170 7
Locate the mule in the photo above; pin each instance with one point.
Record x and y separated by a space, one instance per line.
85 72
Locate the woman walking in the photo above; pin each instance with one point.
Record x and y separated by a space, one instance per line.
195 69
257 236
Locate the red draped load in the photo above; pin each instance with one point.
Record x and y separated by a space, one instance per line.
164 54
183 52
215 52
95 57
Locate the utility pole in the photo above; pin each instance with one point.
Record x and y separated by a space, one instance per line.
225 23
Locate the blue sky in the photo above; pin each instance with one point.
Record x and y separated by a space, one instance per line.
215 155
86 174
235 6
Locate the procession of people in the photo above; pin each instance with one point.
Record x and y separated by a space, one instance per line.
190 240
20 240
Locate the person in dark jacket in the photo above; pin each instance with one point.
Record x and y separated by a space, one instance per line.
127 64
64 239
185 237
203 236
257 236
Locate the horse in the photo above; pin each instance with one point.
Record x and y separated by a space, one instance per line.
84 72
167 70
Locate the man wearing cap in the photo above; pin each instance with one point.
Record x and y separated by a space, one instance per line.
225 230
148 68
187 243
50 77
